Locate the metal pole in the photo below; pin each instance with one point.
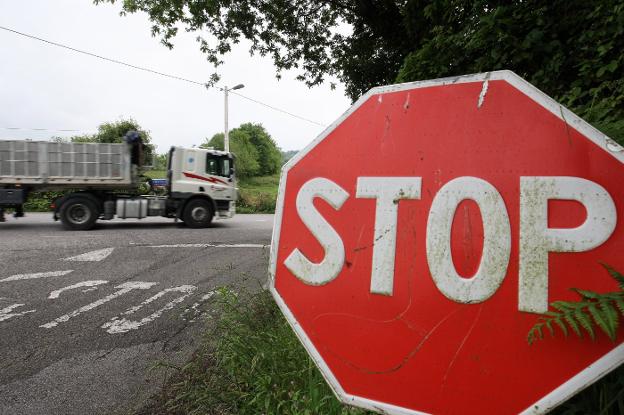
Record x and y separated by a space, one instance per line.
226 135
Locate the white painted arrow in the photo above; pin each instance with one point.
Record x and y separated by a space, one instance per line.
55 294
121 325
36 275
92 256
122 289
5 313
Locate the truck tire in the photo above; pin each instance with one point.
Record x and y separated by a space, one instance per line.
198 213
79 214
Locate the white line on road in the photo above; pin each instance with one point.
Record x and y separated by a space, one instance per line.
6 314
209 246
194 309
36 275
123 325
92 256
123 289
55 294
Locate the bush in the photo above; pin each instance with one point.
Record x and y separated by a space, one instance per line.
40 201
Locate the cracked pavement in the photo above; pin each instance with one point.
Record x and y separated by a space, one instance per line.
114 313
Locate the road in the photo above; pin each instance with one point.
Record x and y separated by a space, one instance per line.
84 315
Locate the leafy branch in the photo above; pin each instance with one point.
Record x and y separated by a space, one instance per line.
594 311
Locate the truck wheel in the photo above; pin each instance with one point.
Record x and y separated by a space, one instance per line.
198 213
78 214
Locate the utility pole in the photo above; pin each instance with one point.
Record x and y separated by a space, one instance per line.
226 134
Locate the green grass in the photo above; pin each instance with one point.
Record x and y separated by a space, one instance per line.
156 174
258 194
249 363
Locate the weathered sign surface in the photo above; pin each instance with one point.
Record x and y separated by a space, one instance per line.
418 239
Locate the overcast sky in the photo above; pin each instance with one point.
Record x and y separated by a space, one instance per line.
43 86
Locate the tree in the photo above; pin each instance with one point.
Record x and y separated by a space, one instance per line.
246 163
256 152
303 34
571 49
114 132
269 155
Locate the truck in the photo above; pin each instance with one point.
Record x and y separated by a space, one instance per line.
101 181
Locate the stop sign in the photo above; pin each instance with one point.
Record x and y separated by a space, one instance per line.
421 236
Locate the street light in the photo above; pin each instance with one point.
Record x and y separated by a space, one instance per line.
226 135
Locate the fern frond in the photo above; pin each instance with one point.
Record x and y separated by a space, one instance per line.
601 310
615 274
585 322
587 295
562 305
611 317
569 318
535 333
600 319
561 325
619 303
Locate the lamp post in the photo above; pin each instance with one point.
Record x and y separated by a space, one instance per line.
226 134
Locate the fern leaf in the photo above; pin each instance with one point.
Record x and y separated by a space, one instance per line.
535 333
587 295
611 316
550 327
619 303
601 320
585 322
569 318
561 325
616 275
562 305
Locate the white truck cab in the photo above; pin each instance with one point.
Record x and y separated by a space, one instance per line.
196 171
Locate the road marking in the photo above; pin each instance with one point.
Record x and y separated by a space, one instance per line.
123 325
5 313
123 289
55 294
209 246
194 309
92 256
36 275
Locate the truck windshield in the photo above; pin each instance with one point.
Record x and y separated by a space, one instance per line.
218 165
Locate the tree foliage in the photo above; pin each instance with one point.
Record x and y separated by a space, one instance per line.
269 155
361 42
256 152
246 163
571 49
114 132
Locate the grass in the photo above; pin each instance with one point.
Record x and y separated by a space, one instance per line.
156 174
258 194
249 363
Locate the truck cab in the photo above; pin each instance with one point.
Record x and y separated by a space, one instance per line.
203 173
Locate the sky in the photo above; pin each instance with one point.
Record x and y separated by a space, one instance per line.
44 86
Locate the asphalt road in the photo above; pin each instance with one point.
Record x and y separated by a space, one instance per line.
85 315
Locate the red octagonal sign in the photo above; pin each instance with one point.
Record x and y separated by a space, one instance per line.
418 239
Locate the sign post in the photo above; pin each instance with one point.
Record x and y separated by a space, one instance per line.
420 237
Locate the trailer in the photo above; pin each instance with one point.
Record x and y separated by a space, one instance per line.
101 181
